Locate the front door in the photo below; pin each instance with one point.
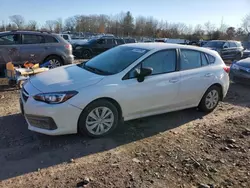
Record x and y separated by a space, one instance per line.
158 92
196 77
32 48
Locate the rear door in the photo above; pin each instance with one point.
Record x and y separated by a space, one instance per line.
196 76
10 48
32 48
110 44
225 51
99 46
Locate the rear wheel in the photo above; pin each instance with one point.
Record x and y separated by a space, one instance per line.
54 61
210 99
98 119
86 54
237 57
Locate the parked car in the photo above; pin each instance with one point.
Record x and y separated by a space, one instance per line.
240 71
228 50
124 83
95 46
129 40
38 47
246 54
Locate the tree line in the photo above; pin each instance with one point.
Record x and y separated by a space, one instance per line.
125 24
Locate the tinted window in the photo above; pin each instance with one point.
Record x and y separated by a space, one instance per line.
115 60
161 62
50 39
101 41
204 61
32 39
9 39
66 37
190 59
119 41
232 45
110 41
215 44
226 45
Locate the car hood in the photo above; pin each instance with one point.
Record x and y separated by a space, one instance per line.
65 78
244 63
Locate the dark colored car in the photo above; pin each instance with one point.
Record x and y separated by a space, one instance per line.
96 46
36 47
240 71
246 54
228 50
129 40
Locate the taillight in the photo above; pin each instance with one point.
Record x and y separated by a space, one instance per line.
68 46
227 69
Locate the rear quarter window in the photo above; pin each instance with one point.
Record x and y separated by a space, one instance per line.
50 39
210 58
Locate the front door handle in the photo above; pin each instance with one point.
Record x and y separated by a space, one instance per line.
208 75
174 80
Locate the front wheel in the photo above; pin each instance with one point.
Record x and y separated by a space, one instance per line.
210 99
54 62
86 54
98 119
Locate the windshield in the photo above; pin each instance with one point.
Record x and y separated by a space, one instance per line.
214 44
115 60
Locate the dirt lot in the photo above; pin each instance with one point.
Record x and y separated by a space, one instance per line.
179 149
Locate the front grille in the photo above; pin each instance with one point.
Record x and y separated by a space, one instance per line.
25 95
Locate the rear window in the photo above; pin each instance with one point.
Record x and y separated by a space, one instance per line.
238 44
66 37
50 39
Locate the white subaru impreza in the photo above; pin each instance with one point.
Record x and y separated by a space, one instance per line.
127 82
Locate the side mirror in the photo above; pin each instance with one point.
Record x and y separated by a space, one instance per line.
140 74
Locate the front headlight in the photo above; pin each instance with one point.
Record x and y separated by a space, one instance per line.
236 67
55 97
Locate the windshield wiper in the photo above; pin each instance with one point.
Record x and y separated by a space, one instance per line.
96 70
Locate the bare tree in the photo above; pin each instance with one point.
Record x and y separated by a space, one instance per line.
32 25
18 20
50 25
246 23
58 25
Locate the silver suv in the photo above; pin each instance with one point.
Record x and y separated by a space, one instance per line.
36 47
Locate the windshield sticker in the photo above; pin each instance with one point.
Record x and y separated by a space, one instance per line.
138 51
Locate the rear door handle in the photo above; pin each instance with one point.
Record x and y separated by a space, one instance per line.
174 80
208 75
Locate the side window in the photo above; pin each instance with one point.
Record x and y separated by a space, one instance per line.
232 45
238 44
210 58
226 45
101 41
161 62
50 39
66 37
10 39
32 39
110 41
189 59
204 61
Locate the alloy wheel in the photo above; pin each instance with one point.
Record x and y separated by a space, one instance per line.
212 99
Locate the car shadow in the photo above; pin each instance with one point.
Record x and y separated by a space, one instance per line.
23 151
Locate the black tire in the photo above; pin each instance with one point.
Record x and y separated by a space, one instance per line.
82 125
54 59
203 106
86 54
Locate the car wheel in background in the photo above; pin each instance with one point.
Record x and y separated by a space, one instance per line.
210 99
98 119
237 57
86 54
54 61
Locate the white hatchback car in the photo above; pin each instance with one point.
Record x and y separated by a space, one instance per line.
127 82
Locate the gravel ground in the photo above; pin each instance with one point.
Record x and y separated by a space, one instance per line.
180 149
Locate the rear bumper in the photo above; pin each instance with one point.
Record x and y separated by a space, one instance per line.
241 77
69 60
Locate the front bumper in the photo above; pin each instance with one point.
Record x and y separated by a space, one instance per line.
240 76
57 119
